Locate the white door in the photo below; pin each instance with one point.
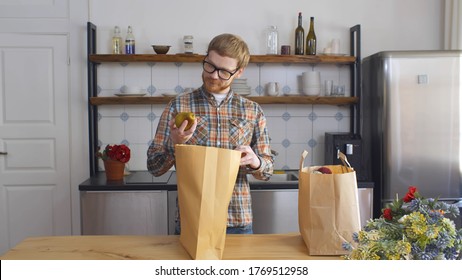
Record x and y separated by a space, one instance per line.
35 197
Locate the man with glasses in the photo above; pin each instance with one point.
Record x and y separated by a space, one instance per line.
224 119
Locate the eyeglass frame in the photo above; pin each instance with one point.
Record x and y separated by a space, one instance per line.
218 69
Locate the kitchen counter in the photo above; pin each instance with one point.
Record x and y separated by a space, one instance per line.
143 180
162 247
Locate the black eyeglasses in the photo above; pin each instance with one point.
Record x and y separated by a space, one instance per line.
222 73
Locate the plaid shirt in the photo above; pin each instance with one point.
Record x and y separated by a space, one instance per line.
237 121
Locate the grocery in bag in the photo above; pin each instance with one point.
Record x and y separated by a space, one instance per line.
328 208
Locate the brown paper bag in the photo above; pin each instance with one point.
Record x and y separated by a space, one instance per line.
205 178
328 209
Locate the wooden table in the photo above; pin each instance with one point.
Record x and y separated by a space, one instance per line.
165 247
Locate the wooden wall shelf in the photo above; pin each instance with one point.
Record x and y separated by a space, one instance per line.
259 99
308 59
196 58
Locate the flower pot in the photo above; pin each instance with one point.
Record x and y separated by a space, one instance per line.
114 170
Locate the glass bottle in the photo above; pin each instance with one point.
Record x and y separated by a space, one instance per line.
272 40
130 41
299 37
116 41
311 39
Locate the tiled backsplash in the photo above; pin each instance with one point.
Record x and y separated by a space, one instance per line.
292 127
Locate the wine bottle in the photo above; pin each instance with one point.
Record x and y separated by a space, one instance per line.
116 41
299 37
130 42
311 39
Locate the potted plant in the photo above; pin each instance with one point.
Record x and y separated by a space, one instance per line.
114 158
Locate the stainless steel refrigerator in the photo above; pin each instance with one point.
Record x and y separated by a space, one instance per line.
411 123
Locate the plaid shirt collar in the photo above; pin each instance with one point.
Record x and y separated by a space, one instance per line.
211 99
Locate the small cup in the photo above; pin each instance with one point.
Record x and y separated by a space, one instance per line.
335 45
338 90
272 89
328 87
285 49
131 89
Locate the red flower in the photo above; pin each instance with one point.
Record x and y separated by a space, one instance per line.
410 194
116 152
387 214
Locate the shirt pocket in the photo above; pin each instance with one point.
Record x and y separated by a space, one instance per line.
240 132
201 134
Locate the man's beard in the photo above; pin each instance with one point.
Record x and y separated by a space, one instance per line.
215 86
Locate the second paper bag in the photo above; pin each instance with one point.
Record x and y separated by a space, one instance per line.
328 209
205 178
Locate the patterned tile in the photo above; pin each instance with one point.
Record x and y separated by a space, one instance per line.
292 128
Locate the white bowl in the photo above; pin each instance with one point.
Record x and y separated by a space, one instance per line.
131 89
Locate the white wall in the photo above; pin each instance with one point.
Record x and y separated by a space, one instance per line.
385 25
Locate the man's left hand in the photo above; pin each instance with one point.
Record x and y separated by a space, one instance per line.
248 157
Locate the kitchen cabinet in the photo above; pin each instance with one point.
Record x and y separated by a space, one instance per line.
142 203
276 211
124 212
365 200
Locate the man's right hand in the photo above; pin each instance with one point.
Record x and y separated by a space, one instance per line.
178 135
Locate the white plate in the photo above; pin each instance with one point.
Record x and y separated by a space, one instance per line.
244 93
129 94
169 94
334 54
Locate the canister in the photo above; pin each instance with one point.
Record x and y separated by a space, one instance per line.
188 44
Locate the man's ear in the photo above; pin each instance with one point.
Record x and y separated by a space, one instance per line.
239 73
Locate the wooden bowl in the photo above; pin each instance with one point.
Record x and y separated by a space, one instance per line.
161 49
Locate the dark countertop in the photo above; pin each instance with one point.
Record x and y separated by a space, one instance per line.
143 180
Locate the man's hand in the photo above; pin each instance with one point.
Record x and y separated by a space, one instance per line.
177 134
248 157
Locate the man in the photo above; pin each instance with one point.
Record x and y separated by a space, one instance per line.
224 119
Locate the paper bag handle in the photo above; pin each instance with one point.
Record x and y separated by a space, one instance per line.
340 155
344 159
302 159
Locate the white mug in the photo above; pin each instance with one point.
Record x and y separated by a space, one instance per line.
272 89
